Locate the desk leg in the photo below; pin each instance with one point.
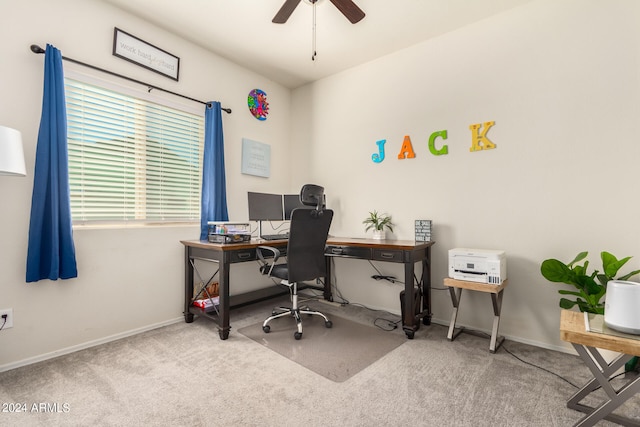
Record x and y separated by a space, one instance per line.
496 299
327 279
223 287
601 375
455 293
188 285
426 287
410 323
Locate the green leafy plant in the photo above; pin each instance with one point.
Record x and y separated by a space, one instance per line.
589 291
378 221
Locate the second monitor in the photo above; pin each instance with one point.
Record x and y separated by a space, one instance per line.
273 207
291 201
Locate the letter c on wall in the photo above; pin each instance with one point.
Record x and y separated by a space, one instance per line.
432 143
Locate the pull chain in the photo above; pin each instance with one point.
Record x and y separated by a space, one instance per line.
313 35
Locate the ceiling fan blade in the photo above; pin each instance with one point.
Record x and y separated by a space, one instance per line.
285 11
349 9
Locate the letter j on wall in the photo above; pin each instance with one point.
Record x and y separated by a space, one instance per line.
379 156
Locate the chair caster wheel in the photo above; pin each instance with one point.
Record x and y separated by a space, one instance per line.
266 329
328 324
297 335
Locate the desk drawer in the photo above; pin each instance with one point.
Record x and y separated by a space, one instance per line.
242 255
348 251
387 255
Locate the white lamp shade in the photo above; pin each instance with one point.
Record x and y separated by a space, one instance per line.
11 154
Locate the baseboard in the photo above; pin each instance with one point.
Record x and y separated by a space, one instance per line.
88 344
332 303
508 337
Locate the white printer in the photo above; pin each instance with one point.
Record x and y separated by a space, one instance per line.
478 265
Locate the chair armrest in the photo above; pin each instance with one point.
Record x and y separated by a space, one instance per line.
274 251
264 264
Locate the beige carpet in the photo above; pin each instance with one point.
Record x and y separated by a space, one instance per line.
336 353
184 375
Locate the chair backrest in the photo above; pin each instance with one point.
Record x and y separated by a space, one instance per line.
308 233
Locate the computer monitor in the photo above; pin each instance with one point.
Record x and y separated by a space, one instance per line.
291 201
265 207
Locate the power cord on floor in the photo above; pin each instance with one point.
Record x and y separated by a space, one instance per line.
539 367
557 375
390 324
519 358
380 322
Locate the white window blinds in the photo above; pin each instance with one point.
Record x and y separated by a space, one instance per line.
131 159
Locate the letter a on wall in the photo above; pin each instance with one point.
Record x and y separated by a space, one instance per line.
406 152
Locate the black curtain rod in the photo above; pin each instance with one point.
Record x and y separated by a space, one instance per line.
37 49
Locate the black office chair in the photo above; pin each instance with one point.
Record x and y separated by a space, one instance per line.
308 233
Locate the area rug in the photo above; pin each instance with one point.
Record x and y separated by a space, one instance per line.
336 353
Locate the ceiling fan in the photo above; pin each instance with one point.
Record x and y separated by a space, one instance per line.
348 8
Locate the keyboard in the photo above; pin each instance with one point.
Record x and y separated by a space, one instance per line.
283 236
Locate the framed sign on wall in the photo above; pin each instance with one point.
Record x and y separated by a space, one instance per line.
146 55
256 158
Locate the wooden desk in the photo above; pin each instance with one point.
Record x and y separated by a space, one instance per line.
406 252
573 330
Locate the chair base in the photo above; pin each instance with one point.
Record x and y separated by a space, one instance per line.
295 312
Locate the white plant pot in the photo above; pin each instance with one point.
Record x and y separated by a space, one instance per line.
379 234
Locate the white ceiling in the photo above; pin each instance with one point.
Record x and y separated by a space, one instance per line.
242 31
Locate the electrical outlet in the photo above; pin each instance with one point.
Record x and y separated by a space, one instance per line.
9 323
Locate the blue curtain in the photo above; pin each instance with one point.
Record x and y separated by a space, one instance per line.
51 252
214 187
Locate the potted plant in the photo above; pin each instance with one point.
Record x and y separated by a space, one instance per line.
378 222
589 291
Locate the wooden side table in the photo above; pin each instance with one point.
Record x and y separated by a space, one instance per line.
587 344
496 291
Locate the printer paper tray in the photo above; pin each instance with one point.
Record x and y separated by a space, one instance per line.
470 277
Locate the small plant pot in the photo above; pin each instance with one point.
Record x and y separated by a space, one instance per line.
379 234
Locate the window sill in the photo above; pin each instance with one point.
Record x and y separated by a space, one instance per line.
138 225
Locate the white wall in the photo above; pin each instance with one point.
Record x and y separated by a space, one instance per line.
129 278
560 80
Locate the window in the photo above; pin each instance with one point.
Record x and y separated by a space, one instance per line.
131 159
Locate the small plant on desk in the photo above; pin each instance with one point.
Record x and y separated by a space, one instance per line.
378 222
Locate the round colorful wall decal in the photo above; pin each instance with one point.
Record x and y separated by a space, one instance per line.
258 104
